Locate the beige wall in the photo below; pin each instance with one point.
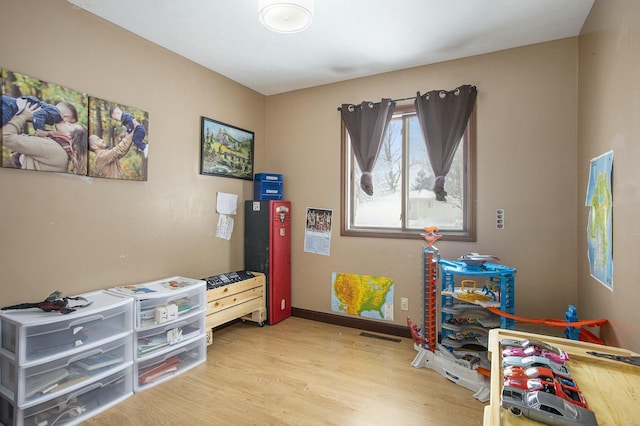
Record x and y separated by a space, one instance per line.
609 119
527 113
81 234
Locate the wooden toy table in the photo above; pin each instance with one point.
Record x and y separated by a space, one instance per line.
611 388
243 299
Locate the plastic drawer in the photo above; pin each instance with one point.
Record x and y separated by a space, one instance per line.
268 197
267 189
72 407
33 336
30 385
164 301
150 342
161 368
148 310
268 177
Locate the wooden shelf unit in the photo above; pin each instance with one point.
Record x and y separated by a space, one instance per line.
242 299
610 387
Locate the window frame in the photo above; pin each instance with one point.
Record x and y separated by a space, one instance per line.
469 234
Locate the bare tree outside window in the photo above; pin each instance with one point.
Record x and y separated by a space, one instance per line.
391 156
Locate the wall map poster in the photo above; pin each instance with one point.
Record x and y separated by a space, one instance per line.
600 224
363 295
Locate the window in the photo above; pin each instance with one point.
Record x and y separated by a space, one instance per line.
403 203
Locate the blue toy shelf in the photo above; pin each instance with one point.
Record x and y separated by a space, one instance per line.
501 289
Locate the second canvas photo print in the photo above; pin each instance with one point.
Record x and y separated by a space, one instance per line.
118 140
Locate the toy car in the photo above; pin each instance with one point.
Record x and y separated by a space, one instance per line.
545 408
569 393
512 343
540 346
529 385
535 350
527 378
535 361
559 384
532 342
518 372
517 382
520 376
549 375
515 371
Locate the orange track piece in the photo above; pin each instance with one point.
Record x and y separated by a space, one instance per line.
584 336
550 321
484 371
587 336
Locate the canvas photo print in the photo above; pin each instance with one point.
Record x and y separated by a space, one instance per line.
44 125
118 144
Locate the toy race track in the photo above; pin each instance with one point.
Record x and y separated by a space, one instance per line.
569 326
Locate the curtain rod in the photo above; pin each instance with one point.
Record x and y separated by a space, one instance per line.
410 98
392 100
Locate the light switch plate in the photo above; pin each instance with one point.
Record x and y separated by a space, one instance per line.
500 218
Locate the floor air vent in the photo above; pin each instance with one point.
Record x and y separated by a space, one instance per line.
376 336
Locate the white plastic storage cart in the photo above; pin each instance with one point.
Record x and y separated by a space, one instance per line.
169 328
64 368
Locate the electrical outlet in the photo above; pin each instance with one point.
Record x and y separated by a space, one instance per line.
404 303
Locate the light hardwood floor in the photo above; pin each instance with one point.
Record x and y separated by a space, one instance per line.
301 372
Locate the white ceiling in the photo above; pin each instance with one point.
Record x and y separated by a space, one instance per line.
347 39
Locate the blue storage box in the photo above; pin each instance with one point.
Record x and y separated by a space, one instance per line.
268 177
267 186
267 190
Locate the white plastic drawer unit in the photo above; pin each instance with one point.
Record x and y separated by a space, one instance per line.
30 335
72 407
170 308
155 340
31 385
155 370
164 301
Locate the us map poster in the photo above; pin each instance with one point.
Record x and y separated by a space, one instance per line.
362 295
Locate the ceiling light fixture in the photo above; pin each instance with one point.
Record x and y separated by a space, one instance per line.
290 16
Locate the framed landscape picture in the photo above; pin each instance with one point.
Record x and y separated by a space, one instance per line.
225 150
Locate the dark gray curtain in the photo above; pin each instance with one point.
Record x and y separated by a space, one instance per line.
366 124
443 117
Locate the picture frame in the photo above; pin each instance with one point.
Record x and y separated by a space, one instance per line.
225 150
